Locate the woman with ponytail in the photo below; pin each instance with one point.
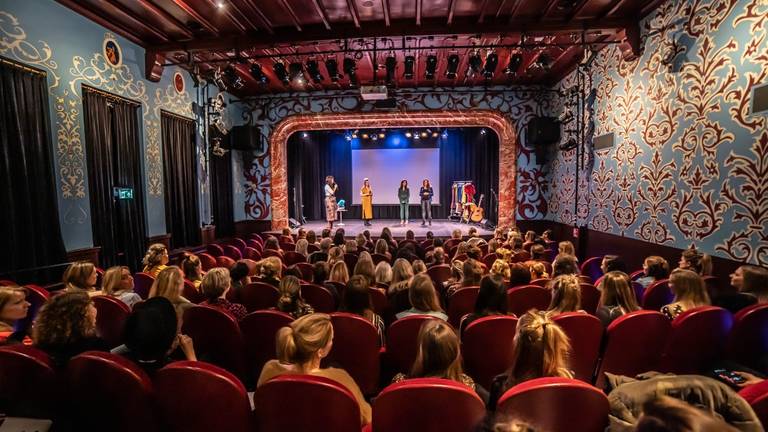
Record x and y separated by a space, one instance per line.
300 349
290 300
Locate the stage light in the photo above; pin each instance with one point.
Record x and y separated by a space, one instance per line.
297 73
410 62
313 69
431 67
483 131
423 134
332 66
391 65
258 74
218 79
354 136
382 135
435 134
453 66
365 136
543 61
348 137
304 135
515 60
475 63
220 5
416 136
445 134
407 134
374 137
349 69
490 65
233 78
281 73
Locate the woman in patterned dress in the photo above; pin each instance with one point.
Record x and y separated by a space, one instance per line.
330 200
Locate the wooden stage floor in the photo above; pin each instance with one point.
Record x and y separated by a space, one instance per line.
441 228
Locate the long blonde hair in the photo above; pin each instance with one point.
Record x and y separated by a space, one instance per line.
154 255
421 293
615 291
540 349
77 274
566 247
438 354
339 272
689 288
383 273
113 280
401 271
168 284
298 343
566 294
290 295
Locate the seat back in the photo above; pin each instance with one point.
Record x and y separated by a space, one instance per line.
142 283
306 269
402 338
541 282
111 314
214 250
523 298
579 407
585 333
590 297
288 247
200 397
356 349
305 403
657 295
637 274
757 397
191 293
489 259
239 243
259 330
109 392
225 261
351 261
29 386
427 404
257 296
207 261
216 336
439 274
319 297
312 248
252 253
254 243
272 253
377 258
379 301
233 252
36 296
591 267
460 303
290 258
748 340
639 291
696 340
487 347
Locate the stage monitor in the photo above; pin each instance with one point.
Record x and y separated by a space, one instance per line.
385 167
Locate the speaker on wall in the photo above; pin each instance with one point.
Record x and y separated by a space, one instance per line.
541 134
246 137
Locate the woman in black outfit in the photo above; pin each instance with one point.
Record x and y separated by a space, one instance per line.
426 202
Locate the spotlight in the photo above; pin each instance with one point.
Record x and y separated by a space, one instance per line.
423 134
314 71
543 61
431 67
515 60
490 65
381 135
365 136
435 134
304 135
234 79
348 136
349 69
483 131
408 134
354 135
410 61
453 66
475 63
258 74
374 137
297 73
218 79
391 64
281 73
445 134
416 136
332 66
220 5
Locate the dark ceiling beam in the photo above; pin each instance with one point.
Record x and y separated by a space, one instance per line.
418 12
513 10
385 6
577 9
548 9
228 8
100 19
194 14
613 7
323 14
266 24
353 11
451 7
165 16
650 7
122 10
501 7
481 18
294 17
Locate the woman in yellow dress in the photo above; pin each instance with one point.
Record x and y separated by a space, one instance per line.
367 201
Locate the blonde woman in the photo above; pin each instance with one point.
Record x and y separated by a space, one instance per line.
155 260
566 295
402 272
301 246
13 307
271 271
383 274
419 267
538 270
501 268
689 290
301 348
291 301
339 273
81 276
566 248
382 248
118 283
616 297
215 285
193 270
335 254
170 284
423 298
365 268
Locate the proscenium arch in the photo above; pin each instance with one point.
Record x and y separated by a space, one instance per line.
278 144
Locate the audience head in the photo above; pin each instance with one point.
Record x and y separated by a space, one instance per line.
239 272
751 279
356 298
538 252
271 268
438 255
501 268
151 329
350 247
311 237
461 249
666 414
13 305
381 247
401 271
367 235
80 275
540 349
419 267
547 236
656 267
438 352
365 268
383 273
493 245
65 319
617 291
360 240
456 234
325 233
519 274
157 254
566 247
538 270
169 284
192 267
305 341
301 246
430 235
474 253
688 288
290 294
565 265
335 255
517 243
409 235
566 294
693 260
421 293
457 272
325 244
320 272
492 297
339 273
472 232
438 242
472 273
215 283
530 236
117 279
613 263
338 238
386 233
300 234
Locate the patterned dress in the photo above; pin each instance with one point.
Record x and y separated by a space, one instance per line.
330 202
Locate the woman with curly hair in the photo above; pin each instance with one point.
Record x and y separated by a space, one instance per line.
155 260
66 327
193 270
566 295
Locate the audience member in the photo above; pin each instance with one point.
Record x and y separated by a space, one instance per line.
538 253
301 247
537 270
155 260
402 272
365 268
273 244
689 291
13 307
335 254
408 252
286 236
81 276
616 297
566 295
118 283
312 238
491 300
667 414
530 238
360 242
215 285
423 298
501 268
322 254
519 274
437 257
357 300
291 301
382 248
655 268
566 248
239 275
170 284
471 273
383 274
493 245
338 238
565 265
698 262
613 263
751 283
547 236
193 270
339 273
386 234
419 266
325 233
350 247
271 271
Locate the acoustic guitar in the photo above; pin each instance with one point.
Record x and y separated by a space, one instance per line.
477 211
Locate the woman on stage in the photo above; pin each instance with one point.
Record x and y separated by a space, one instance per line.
367 202
426 202
403 195
330 200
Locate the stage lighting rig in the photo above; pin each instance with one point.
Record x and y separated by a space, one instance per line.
258 74
281 72
391 64
453 66
475 63
410 62
515 61
543 61
230 74
332 66
491 61
408 134
297 73
431 67
313 69
349 68
218 79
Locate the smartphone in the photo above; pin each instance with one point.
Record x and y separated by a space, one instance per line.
729 376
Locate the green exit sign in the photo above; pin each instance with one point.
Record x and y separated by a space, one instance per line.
123 193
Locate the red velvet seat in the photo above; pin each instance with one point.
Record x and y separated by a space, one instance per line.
288 247
256 244
225 261
29 386
319 297
109 392
556 404
256 236
142 283
191 293
36 296
748 340
290 258
489 259
696 339
307 271
524 298
252 254
634 343
8 283
214 250
110 319
259 330
637 274
312 248
239 243
377 258
200 397
487 347
401 341
305 403
207 261
272 253
585 333
356 350
427 404
757 397
543 282
639 291
590 297
351 261
216 336
379 301
591 268
258 295
657 295
584 279
340 287
461 302
439 274
251 266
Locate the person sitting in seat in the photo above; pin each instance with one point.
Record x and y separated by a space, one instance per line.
423 298
655 268
118 283
155 260
751 283
193 270
215 285
616 297
689 291
13 307
170 284
383 274
402 272
81 276
491 300
291 301
566 295
357 300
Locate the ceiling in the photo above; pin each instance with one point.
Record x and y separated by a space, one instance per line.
209 35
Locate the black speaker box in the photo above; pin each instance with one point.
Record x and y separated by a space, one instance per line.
246 138
541 134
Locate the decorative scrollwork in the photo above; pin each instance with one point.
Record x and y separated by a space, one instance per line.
14 44
69 148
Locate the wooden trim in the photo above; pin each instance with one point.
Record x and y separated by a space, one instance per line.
90 254
208 234
161 238
22 66
111 95
178 116
245 227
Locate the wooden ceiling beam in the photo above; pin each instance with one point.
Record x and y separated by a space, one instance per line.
577 9
194 14
228 8
165 16
501 8
353 11
293 15
266 24
418 12
513 10
100 19
385 7
451 7
481 18
322 12
122 10
613 7
548 9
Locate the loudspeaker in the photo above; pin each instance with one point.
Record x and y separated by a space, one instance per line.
246 138
541 133
153 66
293 223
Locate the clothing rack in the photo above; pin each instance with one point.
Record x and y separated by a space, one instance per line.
459 198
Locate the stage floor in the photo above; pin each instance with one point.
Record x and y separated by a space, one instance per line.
441 228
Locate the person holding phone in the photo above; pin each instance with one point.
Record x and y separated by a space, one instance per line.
403 195
426 202
366 194
330 200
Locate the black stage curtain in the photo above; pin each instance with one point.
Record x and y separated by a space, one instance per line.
29 220
222 191
466 154
113 150
182 218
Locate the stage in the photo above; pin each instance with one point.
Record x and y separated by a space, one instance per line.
441 228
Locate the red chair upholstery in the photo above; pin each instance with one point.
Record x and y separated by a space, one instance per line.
320 298
356 350
657 295
748 340
290 258
256 244
427 404
634 343
312 248
340 287
252 253
637 274
288 247
599 281
351 261
191 293
259 330
556 404
489 259
110 319
214 250
305 403
29 386
757 397
239 243
586 333
591 268
272 253
307 271
696 339
8 283
541 282
521 299
142 283
99 276
256 237
460 303
258 295
484 355
225 261
377 258
379 301
639 291
36 296
216 336
200 397
251 266
590 297
207 261
439 274
109 392
401 341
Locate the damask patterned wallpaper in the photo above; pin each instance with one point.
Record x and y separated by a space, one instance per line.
70 48
689 165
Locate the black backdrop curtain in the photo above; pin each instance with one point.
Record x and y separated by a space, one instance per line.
465 154
113 150
182 218
29 217
222 208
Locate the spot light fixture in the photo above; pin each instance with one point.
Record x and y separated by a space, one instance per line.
453 66
313 69
515 61
332 66
281 72
408 134
258 74
410 62
297 73
349 68
491 61
391 65
431 68
475 63
230 74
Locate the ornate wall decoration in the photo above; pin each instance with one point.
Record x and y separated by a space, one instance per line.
655 190
707 15
153 159
71 156
705 83
14 44
601 195
172 100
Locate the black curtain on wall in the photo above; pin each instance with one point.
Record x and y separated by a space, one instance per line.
29 218
182 217
222 191
113 151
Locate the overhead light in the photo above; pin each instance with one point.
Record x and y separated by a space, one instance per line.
410 62
475 63
408 134
220 5
483 131
416 135
218 79
391 65
313 69
233 78
423 134
431 67
297 73
349 68
435 134
281 73
491 61
332 66
304 135
381 135
445 134
453 66
354 135
258 74
373 137
543 61
515 60
365 136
